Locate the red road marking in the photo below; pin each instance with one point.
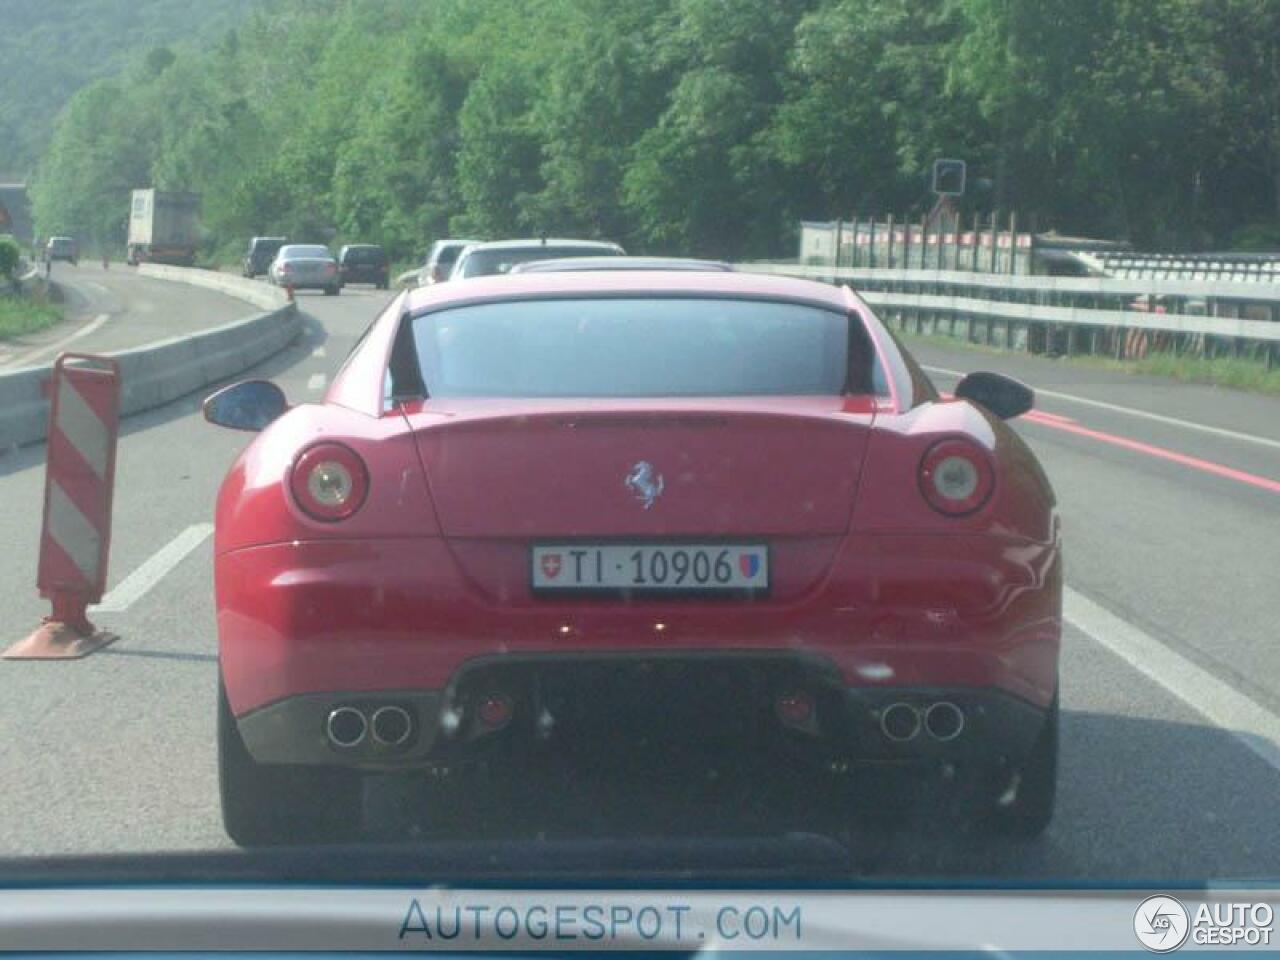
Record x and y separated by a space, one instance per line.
1217 469
1046 417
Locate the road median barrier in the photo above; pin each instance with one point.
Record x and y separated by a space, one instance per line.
157 373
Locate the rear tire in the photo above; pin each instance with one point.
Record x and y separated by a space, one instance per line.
1028 813
265 805
331 291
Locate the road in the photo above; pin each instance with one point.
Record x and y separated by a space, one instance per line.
115 309
1171 673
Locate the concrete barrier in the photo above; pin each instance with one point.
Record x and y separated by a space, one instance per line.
160 372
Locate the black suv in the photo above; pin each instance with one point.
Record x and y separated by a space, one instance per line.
364 263
262 250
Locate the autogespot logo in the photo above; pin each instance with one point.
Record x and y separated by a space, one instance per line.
1162 924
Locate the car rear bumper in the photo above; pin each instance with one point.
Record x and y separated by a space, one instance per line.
666 706
320 623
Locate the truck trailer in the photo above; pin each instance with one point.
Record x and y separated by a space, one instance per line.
164 227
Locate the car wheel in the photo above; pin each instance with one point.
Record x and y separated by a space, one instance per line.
332 291
265 805
1026 807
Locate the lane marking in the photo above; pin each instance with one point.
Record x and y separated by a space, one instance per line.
135 585
1163 453
1130 411
1214 699
25 358
316 381
319 353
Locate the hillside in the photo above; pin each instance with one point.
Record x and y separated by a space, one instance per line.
49 50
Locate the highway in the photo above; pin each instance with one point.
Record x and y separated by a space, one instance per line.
1170 497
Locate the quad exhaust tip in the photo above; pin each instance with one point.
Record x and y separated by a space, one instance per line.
392 725
346 727
900 722
944 720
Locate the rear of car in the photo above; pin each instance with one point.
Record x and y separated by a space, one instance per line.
262 250
440 261
364 263
685 510
303 266
491 259
62 248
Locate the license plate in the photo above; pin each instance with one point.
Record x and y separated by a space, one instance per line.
651 567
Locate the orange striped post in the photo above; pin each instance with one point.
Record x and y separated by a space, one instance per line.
79 480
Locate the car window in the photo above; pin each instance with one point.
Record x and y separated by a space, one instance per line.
487 262
626 347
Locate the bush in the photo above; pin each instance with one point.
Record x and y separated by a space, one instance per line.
10 254
1261 237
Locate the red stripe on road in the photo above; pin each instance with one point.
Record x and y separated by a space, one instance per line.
1195 463
1047 417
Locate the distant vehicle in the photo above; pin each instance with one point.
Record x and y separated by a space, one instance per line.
440 261
62 248
306 266
364 263
577 264
487 259
164 227
262 250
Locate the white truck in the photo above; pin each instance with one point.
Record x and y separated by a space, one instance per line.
164 227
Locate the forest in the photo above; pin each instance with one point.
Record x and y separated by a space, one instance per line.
700 127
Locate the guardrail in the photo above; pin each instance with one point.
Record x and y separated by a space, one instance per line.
1125 317
160 372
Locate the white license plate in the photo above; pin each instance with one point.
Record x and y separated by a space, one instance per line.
666 567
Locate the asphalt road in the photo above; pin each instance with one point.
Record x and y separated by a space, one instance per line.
1171 670
115 309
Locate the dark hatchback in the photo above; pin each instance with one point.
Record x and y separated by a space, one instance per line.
262 250
364 263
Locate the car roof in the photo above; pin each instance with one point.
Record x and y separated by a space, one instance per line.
533 243
362 246
563 264
268 239
639 283
453 242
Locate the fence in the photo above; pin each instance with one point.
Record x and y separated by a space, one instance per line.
1122 317
941 243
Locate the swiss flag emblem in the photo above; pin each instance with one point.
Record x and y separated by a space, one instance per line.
550 565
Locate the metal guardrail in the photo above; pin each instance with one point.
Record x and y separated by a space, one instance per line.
1049 314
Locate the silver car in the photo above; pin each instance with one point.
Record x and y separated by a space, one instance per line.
488 259
306 266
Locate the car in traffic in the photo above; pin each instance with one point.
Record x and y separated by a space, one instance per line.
499 256
364 263
306 266
440 260
539 516
62 248
579 264
262 250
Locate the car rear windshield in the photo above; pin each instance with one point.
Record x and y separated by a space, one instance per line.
305 251
365 255
483 263
639 347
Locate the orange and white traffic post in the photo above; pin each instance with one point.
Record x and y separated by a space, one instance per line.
84 421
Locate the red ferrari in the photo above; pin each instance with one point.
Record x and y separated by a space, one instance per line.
547 507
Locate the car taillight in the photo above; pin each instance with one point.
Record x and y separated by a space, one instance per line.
330 268
286 268
956 477
329 481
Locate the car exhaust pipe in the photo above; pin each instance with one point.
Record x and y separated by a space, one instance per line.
944 721
391 726
346 727
900 722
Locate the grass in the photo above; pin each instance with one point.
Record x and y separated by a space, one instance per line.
1240 373
19 315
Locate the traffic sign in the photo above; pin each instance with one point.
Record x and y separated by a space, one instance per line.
948 177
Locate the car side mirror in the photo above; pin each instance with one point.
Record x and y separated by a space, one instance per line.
1005 397
248 405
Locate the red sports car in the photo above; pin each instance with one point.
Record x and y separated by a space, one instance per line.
547 506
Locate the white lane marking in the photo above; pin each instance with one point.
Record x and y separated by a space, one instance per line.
318 353
1220 703
136 584
22 359
1144 414
316 381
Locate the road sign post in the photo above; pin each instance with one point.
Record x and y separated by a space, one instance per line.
79 481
